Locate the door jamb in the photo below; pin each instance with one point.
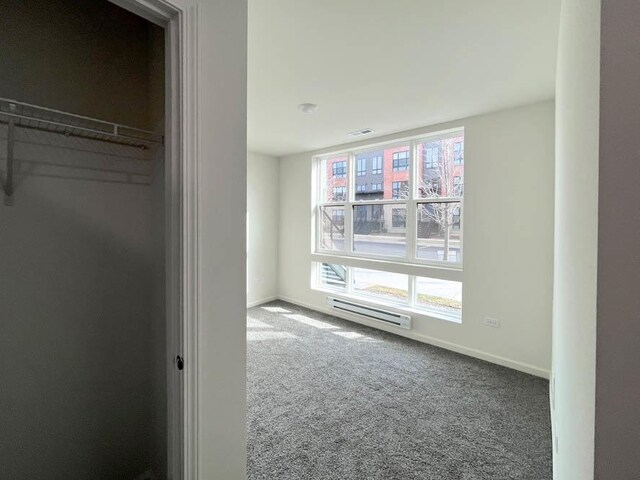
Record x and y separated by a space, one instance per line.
180 20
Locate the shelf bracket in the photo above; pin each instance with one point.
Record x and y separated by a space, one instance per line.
8 186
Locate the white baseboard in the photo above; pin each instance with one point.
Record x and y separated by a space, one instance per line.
471 352
255 303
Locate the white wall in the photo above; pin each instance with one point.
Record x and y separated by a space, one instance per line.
222 208
617 427
263 216
576 223
508 260
76 342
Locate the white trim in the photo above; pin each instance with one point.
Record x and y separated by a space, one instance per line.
372 144
191 238
181 184
471 352
421 270
262 301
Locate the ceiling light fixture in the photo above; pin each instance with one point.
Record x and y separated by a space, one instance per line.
307 107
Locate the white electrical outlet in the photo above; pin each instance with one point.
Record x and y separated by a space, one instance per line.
492 322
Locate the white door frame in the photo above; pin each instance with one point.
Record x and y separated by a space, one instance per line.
180 20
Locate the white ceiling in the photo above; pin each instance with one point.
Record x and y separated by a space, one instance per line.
391 65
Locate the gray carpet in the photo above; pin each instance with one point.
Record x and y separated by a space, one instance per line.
335 400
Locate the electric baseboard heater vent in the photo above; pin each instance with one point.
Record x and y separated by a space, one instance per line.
373 313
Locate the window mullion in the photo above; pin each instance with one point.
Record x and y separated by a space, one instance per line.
411 217
348 214
412 290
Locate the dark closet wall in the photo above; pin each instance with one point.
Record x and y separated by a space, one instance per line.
88 57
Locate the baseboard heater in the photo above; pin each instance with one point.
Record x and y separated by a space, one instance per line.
374 313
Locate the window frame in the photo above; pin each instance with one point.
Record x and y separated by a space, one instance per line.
411 306
361 172
409 263
429 162
375 161
346 167
343 193
394 159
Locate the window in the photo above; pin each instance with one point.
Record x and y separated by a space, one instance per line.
431 156
331 232
458 153
340 169
333 276
401 161
399 218
388 285
441 298
376 165
455 224
362 167
339 194
437 295
457 186
400 189
411 217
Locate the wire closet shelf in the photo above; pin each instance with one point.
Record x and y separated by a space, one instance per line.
37 138
49 120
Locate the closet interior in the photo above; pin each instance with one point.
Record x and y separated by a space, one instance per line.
82 242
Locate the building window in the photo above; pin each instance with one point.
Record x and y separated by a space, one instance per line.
399 217
362 167
376 165
456 218
400 190
458 153
431 156
340 169
401 161
339 194
338 217
457 186
414 222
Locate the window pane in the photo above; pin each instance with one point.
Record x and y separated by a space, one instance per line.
380 229
441 296
441 167
386 285
333 179
333 276
400 160
383 174
369 178
332 232
439 232
400 190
